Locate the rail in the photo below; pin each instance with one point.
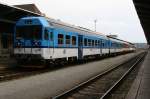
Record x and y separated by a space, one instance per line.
81 86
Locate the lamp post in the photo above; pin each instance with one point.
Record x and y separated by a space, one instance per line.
95 21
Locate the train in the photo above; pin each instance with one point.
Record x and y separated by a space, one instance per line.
53 41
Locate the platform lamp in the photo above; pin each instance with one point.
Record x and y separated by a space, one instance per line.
95 21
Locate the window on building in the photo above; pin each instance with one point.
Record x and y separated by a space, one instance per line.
67 39
85 42
73 40
60 39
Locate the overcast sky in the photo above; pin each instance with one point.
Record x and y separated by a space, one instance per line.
113 16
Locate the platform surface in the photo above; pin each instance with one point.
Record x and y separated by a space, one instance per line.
141 87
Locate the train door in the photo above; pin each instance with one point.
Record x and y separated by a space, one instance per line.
80 47
100 46
49 42
109 46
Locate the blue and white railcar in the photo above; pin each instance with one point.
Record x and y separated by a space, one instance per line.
115 45
41 38
105 46
36 38
51 40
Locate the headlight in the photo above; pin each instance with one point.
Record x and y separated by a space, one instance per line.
36 43
18 44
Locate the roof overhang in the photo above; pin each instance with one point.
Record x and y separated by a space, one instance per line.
11 14
143 11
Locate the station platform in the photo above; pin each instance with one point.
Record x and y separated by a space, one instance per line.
141 87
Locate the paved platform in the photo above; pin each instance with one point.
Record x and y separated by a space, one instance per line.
141 87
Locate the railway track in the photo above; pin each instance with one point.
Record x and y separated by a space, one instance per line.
16 73
10 74
102 85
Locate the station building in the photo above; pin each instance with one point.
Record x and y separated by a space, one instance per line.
8 16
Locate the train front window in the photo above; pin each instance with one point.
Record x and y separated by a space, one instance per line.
29 32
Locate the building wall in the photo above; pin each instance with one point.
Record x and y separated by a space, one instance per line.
0 44
6 43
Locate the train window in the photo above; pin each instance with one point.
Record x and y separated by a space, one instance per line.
46 34
28 21
103 44
29 32
85 42
51 35
73 40
60 38
96 43
67 39
112 44
117 45
107 44
89 42
92 42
